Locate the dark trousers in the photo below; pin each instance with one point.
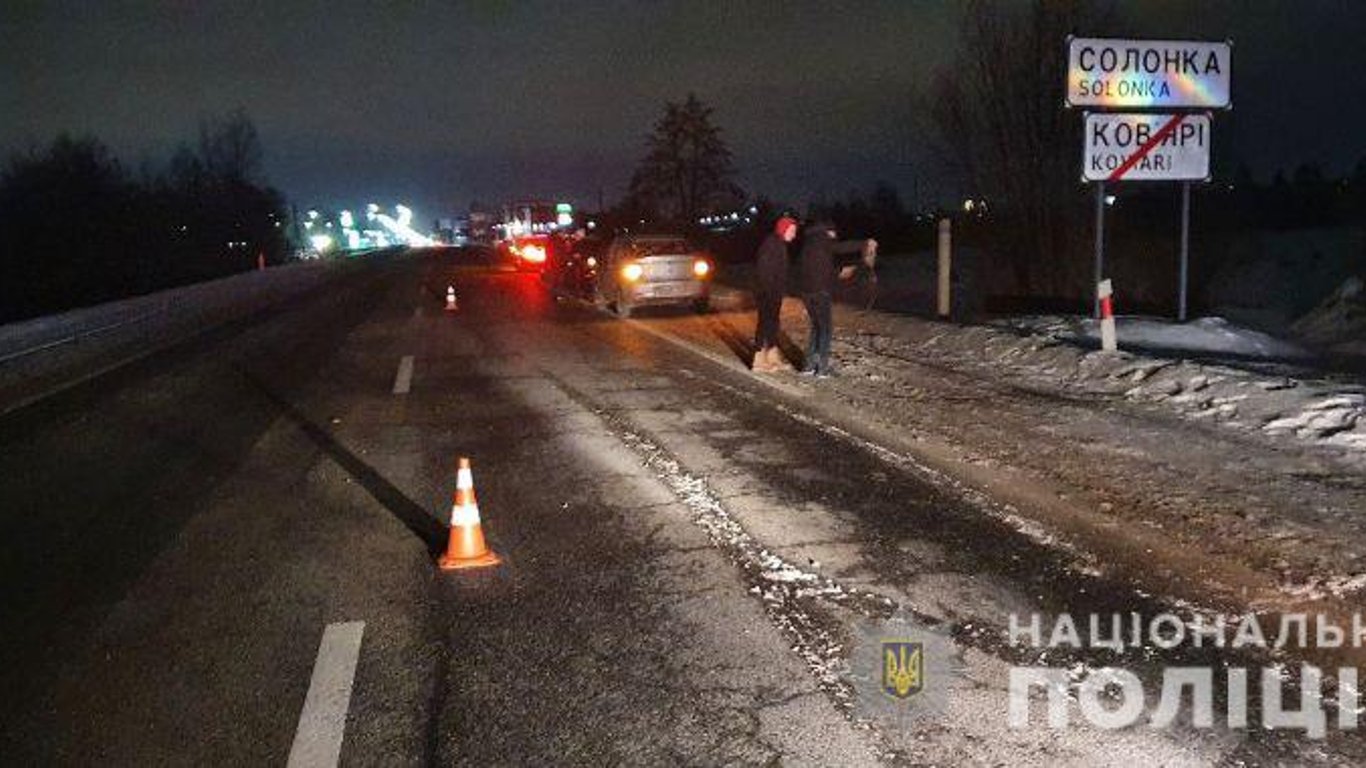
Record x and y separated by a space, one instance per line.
822 325
770 306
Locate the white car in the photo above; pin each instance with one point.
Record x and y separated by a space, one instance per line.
652 270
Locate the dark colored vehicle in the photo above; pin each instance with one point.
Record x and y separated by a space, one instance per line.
573 266
652 270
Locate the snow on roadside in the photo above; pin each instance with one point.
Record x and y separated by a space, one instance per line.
1041 354
1205 336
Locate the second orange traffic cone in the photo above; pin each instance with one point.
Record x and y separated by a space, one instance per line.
466 547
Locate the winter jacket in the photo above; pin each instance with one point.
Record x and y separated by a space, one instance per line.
771 265
819 262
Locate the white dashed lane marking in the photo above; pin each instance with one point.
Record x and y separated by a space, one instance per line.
404 380
318 740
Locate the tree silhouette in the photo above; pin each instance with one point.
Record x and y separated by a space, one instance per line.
687 170
997 112
60 208
77 229
230 149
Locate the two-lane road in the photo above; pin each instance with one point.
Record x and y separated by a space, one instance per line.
688 553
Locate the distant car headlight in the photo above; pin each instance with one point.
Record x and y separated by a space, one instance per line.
591 262
632 272
701 268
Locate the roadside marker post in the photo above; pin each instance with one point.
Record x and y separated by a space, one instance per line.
451 304
1105 298
945 241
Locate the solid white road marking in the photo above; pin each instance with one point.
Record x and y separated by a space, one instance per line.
404 381
318 740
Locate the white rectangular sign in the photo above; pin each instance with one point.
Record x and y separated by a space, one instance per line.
1146 147
1151 74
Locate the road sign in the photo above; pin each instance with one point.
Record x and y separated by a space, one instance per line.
1146 147
1148 74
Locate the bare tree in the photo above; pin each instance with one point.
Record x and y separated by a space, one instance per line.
999 113
230 149
687 169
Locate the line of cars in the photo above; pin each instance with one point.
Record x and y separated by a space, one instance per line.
630 271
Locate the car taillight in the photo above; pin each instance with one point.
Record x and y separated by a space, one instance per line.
533 253
632 272
701 268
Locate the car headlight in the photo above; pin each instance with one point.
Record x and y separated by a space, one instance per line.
701 268
632 272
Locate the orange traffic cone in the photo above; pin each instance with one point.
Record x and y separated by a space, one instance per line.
466 548
451 305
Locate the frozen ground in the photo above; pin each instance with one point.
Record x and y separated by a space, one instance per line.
1265 468
1159 362
1205 337
1230 487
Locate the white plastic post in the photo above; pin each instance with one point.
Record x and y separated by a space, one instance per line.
1104 294
945 265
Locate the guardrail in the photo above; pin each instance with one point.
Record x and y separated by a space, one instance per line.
75 337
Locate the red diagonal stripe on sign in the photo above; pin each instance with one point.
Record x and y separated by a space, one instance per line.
1166 130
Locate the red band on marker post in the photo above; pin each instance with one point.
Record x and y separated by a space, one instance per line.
1166 130
1107 309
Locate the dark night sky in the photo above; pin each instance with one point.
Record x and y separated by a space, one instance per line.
441 103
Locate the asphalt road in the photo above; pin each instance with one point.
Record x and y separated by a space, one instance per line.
688 555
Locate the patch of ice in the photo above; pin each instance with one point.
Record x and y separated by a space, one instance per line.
1207 335
1322 418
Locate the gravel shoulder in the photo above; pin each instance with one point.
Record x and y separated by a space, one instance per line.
1191 498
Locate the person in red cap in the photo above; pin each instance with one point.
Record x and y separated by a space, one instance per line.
771 273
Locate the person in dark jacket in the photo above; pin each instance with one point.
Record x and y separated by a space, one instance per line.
771 274
824 260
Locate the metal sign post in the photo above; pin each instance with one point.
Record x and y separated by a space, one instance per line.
1185 248
1100 240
